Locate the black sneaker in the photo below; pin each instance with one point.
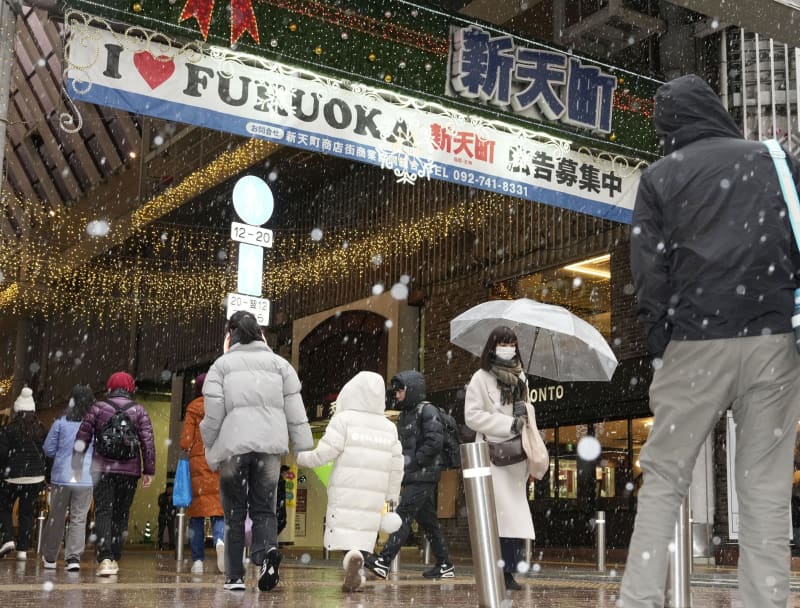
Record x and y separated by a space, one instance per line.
376 565
270 576
73 565
443 570
233 584
511 584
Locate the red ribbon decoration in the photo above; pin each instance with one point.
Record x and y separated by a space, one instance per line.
243 17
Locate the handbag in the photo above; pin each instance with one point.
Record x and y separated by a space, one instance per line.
535 449
182 489
508 452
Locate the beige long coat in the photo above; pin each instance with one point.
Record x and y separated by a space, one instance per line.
485 414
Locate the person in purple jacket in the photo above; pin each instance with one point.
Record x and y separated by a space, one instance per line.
115 480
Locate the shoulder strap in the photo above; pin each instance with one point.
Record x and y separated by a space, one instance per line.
789 190
788 187
120 408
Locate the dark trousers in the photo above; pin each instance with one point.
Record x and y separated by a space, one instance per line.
113 495
249 483
418 502
26 493
166 524
511 553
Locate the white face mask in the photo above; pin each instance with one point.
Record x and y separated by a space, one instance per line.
506 353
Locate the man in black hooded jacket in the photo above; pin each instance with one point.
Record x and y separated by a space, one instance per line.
421 433
715 266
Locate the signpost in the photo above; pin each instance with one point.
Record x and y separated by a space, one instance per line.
253 202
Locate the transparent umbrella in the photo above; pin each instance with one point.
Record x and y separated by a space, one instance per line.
553 342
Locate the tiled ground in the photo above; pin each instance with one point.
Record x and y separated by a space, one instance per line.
153 579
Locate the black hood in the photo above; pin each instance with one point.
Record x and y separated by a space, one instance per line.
687 109
415 388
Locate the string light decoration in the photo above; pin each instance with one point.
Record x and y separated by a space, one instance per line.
5 385
48 269
182 276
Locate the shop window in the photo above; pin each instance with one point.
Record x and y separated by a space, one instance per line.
613 468
567 481
583 288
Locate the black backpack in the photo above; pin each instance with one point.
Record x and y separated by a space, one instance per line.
118 439
451 443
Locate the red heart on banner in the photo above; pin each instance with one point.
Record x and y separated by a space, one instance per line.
154 70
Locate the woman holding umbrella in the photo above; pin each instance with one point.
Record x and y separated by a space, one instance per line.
495 408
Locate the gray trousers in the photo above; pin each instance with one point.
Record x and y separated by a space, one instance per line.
758 378
76 499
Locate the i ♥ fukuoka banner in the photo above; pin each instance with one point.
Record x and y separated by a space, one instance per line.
250 96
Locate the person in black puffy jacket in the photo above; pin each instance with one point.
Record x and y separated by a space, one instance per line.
421 433
22 465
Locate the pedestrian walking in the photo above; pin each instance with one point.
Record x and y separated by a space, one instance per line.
281 500
253 407
166 518
22 469
124 450
205 486
495 408
68 493
367 470
421 432
715 267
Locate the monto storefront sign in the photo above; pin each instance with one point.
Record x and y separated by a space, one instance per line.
534 82
253 96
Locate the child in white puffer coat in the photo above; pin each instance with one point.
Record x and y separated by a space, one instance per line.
367 471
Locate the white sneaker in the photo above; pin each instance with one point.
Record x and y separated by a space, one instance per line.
107 567
7 548
197 566
48 565
22 556
220 547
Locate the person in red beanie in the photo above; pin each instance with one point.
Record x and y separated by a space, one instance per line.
115 478
205 486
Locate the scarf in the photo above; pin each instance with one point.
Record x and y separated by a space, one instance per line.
507 373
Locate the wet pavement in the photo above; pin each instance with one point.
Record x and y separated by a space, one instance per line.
148 578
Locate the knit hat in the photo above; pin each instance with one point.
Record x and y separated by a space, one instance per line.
24 402
121 380
198 385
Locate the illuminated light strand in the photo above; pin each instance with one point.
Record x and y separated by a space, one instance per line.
366 25
113 286
628 102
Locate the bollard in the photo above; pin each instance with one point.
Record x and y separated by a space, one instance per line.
39 531
527 551
600 521
180 520
426 553
482 516
678 592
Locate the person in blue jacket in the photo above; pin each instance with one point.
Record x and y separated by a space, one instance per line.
67 492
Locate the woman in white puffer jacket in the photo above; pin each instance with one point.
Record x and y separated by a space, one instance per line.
367 470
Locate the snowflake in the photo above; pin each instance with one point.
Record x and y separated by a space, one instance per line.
273 98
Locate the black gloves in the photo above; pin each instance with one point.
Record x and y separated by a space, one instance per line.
518 424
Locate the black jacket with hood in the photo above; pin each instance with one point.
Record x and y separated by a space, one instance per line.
712 251
421 431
